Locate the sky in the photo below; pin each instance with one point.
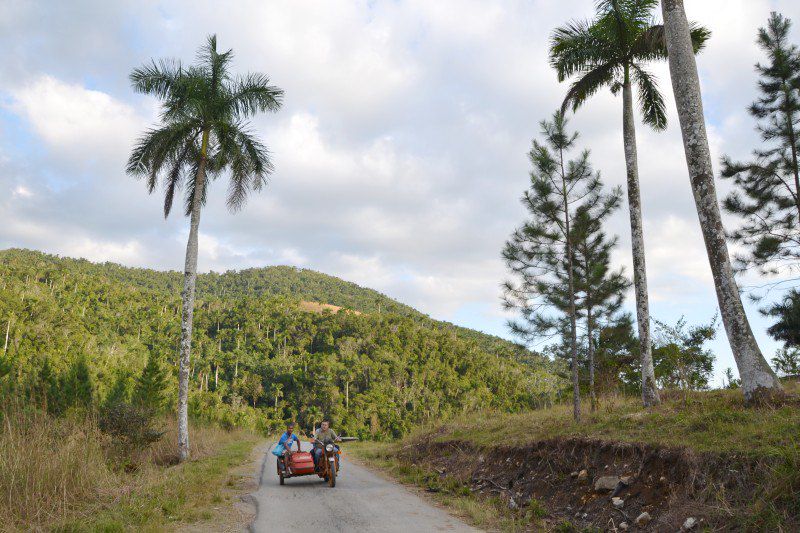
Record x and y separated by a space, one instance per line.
400 151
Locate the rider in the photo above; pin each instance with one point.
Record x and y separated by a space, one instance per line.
286 440
322 435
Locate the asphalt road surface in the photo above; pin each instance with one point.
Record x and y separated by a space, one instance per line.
360 502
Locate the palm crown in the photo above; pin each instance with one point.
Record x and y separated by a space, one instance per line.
610 50
203 123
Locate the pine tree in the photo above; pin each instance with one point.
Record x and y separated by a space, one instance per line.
48 392
151 385
787 311
541 252
768 187
77 386
602 290
120 390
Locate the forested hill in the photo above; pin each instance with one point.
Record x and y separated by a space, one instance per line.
297 283
81 333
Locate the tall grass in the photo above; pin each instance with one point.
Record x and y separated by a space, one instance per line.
57 469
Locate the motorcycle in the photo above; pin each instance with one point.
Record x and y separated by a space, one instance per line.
301 463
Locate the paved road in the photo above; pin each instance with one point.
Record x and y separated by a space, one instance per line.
360 502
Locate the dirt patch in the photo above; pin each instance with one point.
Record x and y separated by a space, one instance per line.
317 307
559 475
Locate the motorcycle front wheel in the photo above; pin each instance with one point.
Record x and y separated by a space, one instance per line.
332 478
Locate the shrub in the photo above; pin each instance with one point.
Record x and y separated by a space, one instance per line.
130 425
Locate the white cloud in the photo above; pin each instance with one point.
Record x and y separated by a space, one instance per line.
75 121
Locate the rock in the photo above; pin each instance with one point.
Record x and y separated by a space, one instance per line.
643 519
689 523
617 502
628 480
574 474
512 504
606 483
623 526
480 459
583 476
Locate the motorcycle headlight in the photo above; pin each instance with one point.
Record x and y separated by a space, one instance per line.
329 447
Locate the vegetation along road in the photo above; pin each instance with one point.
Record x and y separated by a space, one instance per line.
361 501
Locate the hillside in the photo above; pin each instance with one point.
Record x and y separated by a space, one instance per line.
259 356
296 283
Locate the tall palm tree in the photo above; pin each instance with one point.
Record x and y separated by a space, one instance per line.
758 379
610 51
203 134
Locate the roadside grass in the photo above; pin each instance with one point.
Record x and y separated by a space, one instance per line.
711 421
706 421
65 475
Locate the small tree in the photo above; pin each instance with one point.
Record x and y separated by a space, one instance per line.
787 362
541 252
787 311
77 386
120 390
602 290
616 355
767 194
252 387
151 385
680 359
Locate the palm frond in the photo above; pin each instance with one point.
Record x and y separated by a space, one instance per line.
248 160
651 43
157 79
588 84
651 101
576 48
253 93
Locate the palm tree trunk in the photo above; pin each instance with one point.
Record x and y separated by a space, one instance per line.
649 389
189 280
758 379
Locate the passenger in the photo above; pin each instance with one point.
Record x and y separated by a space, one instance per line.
286 440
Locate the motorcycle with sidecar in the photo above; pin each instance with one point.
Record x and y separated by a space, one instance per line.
301 463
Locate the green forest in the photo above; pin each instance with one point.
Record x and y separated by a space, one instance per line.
86 336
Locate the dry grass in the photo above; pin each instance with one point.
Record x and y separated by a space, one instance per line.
715 420
63 473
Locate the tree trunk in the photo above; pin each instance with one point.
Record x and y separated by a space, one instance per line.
8 330
189 280
590 351
758 379
649 388
573 333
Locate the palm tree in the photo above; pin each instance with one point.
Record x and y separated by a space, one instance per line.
758 379
610 51
202 134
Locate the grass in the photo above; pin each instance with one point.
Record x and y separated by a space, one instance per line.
713 421
65 475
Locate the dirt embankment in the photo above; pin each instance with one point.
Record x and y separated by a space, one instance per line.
561 479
